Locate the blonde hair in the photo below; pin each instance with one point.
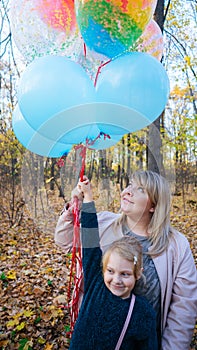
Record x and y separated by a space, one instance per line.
159 227
129 249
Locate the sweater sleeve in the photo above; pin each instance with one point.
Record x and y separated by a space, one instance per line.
90 243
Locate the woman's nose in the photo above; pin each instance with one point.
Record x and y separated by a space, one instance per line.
128 190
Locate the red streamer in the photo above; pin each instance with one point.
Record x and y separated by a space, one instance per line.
76 272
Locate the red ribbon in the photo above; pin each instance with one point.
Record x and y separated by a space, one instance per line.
76 271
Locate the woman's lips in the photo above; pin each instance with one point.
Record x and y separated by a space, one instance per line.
127 200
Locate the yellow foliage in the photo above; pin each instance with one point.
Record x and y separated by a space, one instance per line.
11 275
178 92
41 340
12 323
13 242
48 346
187 60
20 326
48 269
28 313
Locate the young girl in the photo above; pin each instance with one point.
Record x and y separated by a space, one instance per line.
108 291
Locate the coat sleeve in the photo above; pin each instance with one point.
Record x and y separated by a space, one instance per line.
182 311
64 231
92 253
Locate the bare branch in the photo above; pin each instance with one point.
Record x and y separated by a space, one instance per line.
176 41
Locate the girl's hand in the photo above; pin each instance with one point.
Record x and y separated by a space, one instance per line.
76 193
85 188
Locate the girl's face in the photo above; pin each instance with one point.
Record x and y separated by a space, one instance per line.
119 276
135 201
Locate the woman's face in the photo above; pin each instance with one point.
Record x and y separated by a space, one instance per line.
135 201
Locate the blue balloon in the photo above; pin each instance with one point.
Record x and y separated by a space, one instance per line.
59 105
52 84
35 142
94 136
88 120
136 80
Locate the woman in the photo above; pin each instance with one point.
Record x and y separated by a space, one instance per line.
171 278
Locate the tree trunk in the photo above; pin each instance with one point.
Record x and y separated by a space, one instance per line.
128 155
154 137
52 183
159 14
155 161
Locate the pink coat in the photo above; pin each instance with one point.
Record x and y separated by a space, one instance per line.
177 274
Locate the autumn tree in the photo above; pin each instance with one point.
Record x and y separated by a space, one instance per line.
11 150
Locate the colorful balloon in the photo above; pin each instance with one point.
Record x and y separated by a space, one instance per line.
59 14
136 80
35 142
43 27
151 40
111 27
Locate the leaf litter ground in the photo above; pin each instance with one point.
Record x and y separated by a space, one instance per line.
34 275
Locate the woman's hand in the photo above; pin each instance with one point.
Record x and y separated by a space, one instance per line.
85 188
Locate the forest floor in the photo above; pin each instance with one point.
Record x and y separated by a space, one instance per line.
34 272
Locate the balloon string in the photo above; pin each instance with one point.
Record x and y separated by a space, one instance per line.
84 49
98 71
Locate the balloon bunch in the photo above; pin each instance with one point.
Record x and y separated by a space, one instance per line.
59 102
64 43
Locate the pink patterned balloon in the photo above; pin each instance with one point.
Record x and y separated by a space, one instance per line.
151 41
44 27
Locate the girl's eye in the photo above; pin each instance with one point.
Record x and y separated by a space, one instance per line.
125 274
109 270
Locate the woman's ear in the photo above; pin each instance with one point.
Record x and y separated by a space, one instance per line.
151 210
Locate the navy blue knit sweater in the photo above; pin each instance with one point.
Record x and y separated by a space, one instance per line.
102 314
